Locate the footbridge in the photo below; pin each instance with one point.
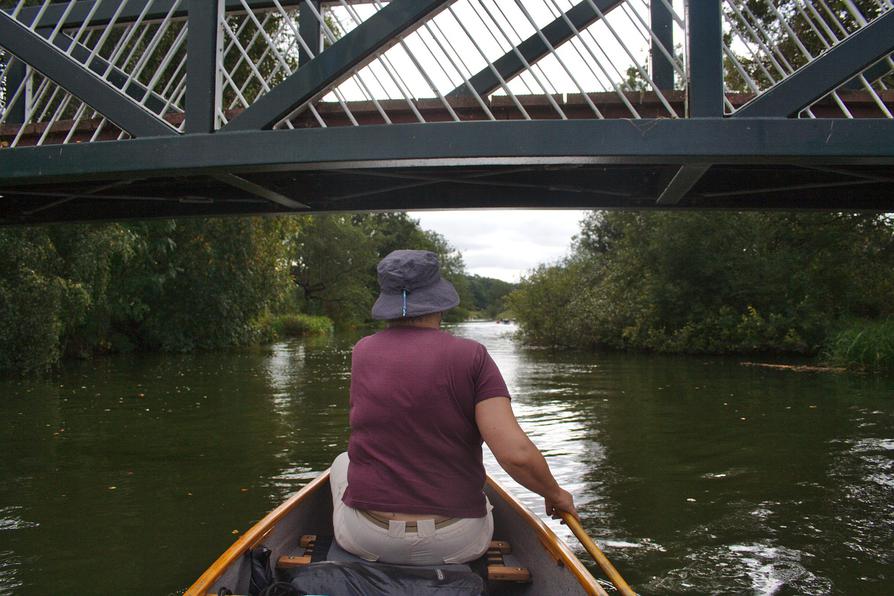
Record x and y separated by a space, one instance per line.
115 109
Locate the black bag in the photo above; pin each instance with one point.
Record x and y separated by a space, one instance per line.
261 572
337 578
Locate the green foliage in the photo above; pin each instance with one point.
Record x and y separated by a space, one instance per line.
274 327
335 256
199 283
710 282
334 263
863 345
488 294
75 289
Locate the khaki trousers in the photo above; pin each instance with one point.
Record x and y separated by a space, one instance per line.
460 541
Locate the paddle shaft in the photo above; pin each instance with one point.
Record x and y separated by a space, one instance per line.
598 556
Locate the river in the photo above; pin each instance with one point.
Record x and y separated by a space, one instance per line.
131 474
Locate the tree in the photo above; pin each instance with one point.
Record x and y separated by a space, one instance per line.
711 282
334 263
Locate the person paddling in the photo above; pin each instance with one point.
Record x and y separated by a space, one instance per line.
410 489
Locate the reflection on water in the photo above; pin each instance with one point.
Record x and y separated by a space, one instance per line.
696 475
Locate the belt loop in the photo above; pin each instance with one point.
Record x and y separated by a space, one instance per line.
397 528
425 528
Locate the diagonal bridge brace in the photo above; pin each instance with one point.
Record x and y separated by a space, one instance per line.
349 54
80 81
531 50
808 84
823 75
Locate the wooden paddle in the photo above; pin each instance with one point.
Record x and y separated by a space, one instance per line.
597 555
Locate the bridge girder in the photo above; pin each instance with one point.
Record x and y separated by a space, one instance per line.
716 150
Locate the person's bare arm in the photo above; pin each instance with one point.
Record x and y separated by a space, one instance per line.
519 456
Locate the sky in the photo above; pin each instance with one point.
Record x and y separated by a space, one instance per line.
505 243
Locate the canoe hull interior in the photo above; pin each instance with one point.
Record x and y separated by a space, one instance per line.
554 568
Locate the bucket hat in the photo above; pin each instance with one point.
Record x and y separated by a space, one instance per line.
411 285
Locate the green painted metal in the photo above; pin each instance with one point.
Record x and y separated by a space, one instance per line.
662 26
338 62
661 141
822 75
16 72
311 32
202 59
117 77
79 81
705 90
557 32
132 9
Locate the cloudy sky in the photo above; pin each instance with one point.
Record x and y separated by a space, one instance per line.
505 244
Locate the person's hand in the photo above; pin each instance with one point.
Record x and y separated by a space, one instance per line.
559 502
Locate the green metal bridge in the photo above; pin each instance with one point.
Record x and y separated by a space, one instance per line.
116 109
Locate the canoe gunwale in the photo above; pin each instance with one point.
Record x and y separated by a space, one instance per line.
559 551
253 536
554 545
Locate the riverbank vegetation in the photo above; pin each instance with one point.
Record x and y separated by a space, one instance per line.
194 284
718 283
863 345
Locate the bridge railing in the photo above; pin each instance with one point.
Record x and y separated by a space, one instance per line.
86 70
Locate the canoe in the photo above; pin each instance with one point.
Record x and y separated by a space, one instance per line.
526 557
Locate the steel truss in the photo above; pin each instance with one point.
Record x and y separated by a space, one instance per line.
278 106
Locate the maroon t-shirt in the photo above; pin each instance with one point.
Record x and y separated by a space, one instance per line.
414 446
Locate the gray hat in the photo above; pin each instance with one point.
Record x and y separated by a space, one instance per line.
411 286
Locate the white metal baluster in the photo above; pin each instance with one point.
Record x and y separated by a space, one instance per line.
75 122
618 74
579 38
466 83
153 45
173 51
122 42
17 93
38 17
338 95
60 109
555 54
364 88
512 48
637 65
651 38
310 106
390 67
834 39
841 105
287 122
781 70
490 65
513 44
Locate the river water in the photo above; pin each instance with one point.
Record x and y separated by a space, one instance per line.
131 474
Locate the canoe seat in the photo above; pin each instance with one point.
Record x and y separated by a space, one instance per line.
501 566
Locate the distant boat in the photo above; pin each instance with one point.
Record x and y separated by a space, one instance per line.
526 557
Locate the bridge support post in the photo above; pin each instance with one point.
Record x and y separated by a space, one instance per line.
203 78
704 92
705 56
663 27
310 30
17 76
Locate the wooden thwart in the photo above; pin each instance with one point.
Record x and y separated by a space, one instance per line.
498 571
289 561
501 573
